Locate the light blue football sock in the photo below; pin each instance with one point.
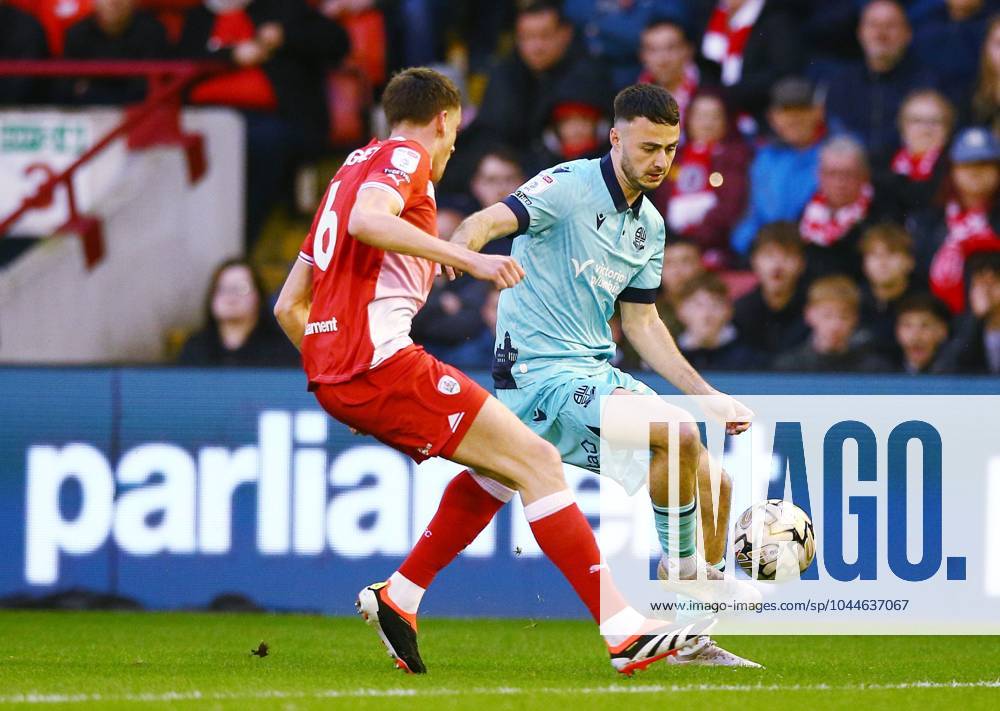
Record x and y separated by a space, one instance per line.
677 535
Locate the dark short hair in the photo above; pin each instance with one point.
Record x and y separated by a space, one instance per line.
648 101
893 236
898 3
536 7
675 240
417 95
983 262
668 21
213 284
924 303
784 235
706 281
501 153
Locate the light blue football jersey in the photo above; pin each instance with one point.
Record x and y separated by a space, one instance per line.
582 247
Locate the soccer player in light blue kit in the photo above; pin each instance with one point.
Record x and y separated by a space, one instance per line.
588 238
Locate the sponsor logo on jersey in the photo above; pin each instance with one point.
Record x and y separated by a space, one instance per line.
593 456
580 268
639 241
447 385
398 176
519 194
538 185
328 326
406 159
599 275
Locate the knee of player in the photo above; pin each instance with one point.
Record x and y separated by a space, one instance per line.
688 439
544 460
532 462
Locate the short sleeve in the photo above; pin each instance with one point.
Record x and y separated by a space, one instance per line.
645 285
306 250
541 202
400 168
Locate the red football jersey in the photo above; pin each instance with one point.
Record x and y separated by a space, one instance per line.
364 298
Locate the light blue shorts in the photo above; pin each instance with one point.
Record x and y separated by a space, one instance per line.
565 409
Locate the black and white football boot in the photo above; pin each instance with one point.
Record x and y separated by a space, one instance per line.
396 628
639 651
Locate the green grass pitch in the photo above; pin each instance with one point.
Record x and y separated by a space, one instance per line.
180 660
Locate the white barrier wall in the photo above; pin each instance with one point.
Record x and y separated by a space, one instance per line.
163 237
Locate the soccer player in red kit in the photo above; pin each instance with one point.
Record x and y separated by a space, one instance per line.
363 272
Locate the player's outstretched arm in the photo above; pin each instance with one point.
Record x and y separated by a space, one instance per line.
293 304
375 221
652 341
480 228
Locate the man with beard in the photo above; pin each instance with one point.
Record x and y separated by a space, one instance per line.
588 238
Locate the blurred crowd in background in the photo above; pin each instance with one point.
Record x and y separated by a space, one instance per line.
834 205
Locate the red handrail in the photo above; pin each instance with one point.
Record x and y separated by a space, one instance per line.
168 81
106 67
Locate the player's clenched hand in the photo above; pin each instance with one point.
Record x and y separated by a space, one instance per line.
728 409
503 272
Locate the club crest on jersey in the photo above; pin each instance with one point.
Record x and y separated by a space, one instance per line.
639 241
406 159
584 395
448 385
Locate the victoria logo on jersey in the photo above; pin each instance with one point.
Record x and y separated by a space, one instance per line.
639 241
580 267
599 275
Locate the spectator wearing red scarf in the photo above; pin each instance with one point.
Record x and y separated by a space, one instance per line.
706 191
970 219
839 211
280 51
914 174
668 60
975 347
748 45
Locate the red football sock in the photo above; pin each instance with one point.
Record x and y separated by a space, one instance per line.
565 537
466 508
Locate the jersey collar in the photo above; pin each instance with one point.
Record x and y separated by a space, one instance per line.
617 195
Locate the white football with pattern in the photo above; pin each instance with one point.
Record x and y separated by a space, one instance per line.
774 540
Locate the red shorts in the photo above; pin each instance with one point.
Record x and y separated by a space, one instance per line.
412 402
